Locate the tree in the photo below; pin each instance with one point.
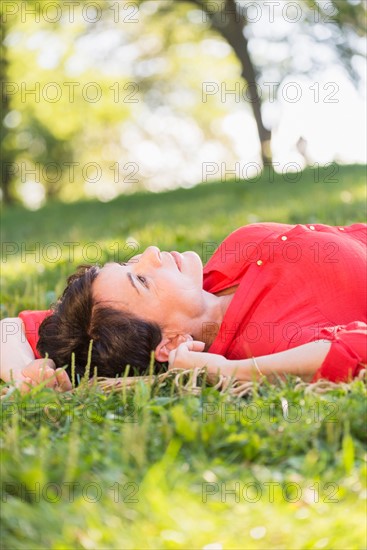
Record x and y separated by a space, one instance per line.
230 25
7 152
346 19
163 81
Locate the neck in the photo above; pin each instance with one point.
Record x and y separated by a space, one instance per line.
207 326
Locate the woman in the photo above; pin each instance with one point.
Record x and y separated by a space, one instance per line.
274 299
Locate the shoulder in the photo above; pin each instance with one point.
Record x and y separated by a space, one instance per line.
240 243
257 231
32 319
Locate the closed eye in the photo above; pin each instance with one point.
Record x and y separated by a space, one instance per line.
143 280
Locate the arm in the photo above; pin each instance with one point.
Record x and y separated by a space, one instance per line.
18 363
302 361
338 358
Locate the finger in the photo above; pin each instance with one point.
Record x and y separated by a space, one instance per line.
51 364
42 375
37 364
49 373
44 362
47 377
171 358
32 371
63 380
193 345
198 346
177 358
45 372
26 385
26 372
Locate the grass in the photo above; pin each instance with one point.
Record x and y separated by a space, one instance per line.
156 467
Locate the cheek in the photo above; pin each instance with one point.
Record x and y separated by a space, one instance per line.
181 288
168 290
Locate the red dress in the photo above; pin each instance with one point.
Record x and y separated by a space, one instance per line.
297 284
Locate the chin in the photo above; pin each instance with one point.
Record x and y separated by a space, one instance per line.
195 256
196 263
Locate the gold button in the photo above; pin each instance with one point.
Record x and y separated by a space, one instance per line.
259 262
284 238
341 228
312 227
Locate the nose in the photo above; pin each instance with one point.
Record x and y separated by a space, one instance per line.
152 255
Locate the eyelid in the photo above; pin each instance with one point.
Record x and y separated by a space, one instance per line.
145 283
145 280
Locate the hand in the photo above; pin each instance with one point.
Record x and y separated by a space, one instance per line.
40 370
189 355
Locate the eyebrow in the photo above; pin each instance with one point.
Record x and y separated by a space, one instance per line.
130 277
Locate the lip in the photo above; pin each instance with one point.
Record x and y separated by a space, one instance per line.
177 258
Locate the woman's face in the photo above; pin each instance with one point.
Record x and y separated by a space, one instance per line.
156 286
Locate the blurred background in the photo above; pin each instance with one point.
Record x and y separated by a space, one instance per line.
107 97
173 123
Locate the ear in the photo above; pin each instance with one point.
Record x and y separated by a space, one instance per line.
168 344
161 351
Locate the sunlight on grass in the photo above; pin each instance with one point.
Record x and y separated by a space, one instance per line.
156 468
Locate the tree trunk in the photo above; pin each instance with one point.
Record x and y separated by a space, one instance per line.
5 155
229 23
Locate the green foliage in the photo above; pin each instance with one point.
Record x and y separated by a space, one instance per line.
75 128
90 470
157 467
173 52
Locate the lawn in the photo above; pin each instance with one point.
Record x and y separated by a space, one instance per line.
157 466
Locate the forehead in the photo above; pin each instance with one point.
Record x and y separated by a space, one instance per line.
108 274
110 286
108 270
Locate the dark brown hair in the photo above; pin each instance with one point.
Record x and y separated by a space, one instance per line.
119 338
